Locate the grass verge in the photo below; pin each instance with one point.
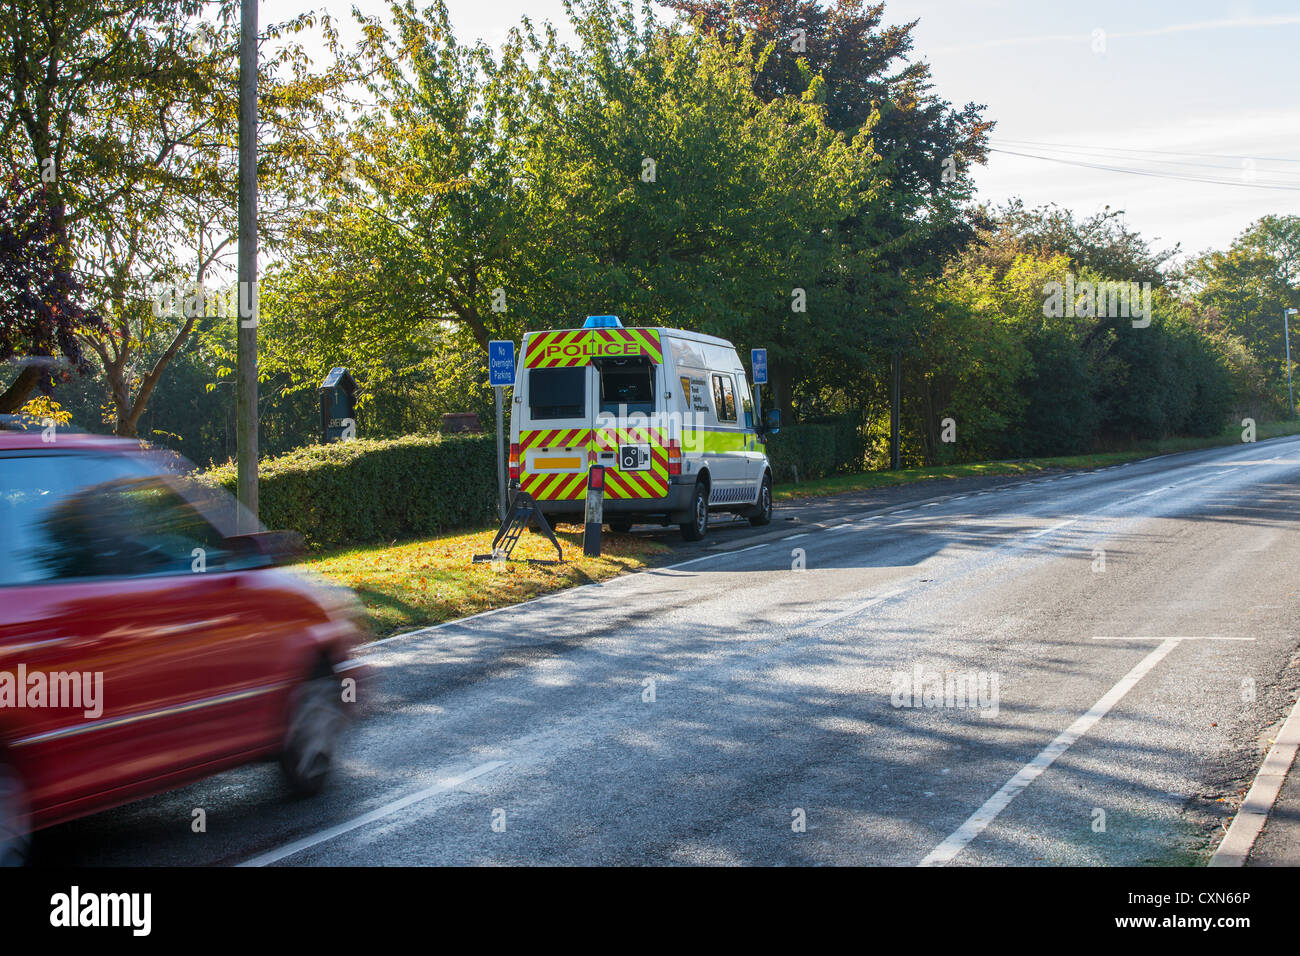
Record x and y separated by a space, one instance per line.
866 481
405 586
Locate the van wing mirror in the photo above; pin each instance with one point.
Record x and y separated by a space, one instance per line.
773 420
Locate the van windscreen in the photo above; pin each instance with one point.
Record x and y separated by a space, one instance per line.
558 392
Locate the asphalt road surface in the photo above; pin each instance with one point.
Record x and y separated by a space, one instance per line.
1128 635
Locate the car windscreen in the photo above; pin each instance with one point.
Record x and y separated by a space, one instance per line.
558 392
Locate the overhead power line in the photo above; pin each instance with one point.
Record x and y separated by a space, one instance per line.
1095 153
1162 152
1292 187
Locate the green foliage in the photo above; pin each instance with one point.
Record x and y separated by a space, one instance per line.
126 111
689 174
815 450
376 490
1242 292
1018 381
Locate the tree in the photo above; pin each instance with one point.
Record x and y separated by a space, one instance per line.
41 310
1243 291
1102 242
391 262
914 217
126 111
636 172
667 191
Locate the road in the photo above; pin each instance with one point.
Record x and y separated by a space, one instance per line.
1138 623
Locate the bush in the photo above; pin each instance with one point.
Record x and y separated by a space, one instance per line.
815 450
369 490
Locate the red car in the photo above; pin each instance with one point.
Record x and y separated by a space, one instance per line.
144 643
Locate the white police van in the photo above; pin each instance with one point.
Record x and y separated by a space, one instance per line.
668 413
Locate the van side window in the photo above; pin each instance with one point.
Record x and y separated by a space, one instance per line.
724 399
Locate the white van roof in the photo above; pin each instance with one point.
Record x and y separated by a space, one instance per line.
662 330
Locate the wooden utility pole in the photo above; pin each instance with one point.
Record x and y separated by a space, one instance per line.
246 372
895 405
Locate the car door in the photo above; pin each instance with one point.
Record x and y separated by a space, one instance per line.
123 588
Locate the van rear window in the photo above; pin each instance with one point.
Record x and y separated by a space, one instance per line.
558 392
627 386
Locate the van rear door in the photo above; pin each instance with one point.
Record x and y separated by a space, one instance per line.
630 438
555 429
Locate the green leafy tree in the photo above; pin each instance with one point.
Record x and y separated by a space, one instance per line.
126 110
1243 290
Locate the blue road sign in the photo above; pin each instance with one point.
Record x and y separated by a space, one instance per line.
758 362
501 363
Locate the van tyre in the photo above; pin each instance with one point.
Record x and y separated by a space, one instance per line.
15 841
311 737
698 525
762 513
621 527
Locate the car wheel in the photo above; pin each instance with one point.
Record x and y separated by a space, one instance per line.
622 527
311 738
698 525
14 838
762 513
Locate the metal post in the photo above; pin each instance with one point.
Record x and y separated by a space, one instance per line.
595 516
501 454
1286 326
895 453
246 364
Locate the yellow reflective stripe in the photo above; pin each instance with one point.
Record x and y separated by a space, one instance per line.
700 440
591 343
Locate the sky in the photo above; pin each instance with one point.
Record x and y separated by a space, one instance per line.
1175 91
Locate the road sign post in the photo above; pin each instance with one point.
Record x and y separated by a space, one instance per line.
501 373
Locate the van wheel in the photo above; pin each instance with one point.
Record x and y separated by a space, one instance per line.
698 526
14 838
622 527
315 723
762 513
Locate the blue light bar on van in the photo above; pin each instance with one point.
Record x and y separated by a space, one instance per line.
602 322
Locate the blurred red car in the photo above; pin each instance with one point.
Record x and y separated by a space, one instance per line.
144 643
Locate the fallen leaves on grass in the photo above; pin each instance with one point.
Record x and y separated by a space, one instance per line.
418 583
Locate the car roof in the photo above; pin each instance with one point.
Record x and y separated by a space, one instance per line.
84 441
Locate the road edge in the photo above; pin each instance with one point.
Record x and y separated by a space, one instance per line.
1248 824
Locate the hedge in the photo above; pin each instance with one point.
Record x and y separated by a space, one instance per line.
367 490
815 450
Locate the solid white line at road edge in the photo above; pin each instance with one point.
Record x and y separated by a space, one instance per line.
981 818
1254 810
387 809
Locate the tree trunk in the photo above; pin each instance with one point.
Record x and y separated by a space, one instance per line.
20 390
